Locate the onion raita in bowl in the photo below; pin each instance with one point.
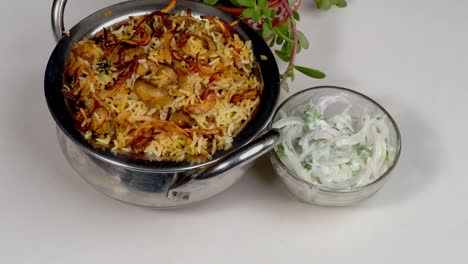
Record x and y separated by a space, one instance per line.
329 146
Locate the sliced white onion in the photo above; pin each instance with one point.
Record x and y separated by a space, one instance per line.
329 152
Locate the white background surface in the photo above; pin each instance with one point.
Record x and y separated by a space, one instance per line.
411 56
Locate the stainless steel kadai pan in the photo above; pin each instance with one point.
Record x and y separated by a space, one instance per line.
152 183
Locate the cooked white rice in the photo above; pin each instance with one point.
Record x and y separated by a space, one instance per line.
171 87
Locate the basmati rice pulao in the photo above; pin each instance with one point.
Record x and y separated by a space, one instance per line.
171 87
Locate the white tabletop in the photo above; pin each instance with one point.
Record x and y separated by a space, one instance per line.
411 56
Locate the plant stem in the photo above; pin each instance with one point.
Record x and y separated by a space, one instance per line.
290 67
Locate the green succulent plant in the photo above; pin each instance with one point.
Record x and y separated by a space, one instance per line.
285 39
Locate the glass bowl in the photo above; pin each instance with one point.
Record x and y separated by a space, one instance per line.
315 193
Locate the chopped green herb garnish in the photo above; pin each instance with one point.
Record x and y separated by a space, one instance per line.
311 112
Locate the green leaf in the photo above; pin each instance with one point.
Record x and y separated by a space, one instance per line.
234 2
323 4
283 55
298 49
286 50
266 12
303 42
287 47
272 42
266 32
273 14
279 40
296 15
310 72
210 2
341 3
327 4
262 3
267 23
256 15
247 13
281 35
247 3
291 3
283 31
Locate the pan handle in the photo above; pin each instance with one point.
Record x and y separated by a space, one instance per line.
58 26
251 151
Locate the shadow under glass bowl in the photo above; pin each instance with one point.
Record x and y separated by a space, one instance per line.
321 195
